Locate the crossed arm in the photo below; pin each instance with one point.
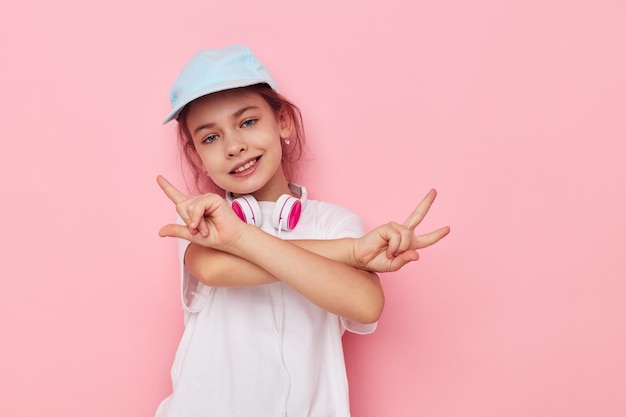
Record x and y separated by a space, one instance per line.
337 275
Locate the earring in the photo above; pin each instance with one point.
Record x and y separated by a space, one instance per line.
287 141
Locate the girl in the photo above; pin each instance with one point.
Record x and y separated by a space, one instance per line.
266 299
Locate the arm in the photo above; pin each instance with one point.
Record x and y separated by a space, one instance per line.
221 269
385 249
224 251
333 286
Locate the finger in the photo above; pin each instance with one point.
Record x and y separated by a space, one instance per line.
199 210
171 191
431 238
399 239
196 211
420 211
406 238
393 243
176 230
203 227
403 259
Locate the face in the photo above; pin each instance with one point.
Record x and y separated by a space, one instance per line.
237 137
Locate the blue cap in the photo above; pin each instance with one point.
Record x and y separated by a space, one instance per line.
216 70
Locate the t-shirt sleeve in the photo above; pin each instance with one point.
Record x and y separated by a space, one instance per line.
193 293
344 223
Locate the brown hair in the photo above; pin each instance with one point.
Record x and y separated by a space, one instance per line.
290 155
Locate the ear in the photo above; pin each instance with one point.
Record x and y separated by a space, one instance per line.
285 122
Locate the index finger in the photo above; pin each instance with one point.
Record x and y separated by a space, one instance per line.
420 211
171 191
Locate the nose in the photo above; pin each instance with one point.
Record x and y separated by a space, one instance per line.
235 145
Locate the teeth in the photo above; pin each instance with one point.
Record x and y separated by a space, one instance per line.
246 166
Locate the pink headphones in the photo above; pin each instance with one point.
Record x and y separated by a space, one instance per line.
286 212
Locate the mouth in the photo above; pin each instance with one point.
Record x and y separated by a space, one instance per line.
246 166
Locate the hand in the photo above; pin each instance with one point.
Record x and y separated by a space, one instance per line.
389 247
209 221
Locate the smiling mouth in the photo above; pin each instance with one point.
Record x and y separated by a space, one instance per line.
245 166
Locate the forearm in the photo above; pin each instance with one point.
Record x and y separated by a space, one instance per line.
332 285
316 268
339 250
222 269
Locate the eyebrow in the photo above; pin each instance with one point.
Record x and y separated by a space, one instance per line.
233 116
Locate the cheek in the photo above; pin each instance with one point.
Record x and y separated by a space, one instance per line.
278 148
207 160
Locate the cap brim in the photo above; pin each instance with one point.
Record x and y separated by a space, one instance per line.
205 92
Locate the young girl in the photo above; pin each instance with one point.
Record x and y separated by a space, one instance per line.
266 299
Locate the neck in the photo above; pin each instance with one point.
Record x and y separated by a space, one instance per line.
273 189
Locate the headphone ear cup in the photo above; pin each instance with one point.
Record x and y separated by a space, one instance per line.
286 212
247 209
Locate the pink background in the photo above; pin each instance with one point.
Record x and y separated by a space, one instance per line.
513 110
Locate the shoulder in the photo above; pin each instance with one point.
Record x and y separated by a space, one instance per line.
324 209
334 220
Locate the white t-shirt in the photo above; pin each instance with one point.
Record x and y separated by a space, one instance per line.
263 351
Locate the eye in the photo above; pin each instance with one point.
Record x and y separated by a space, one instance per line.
248 122
210 139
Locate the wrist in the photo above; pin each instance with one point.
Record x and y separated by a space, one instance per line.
353 259
237 241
